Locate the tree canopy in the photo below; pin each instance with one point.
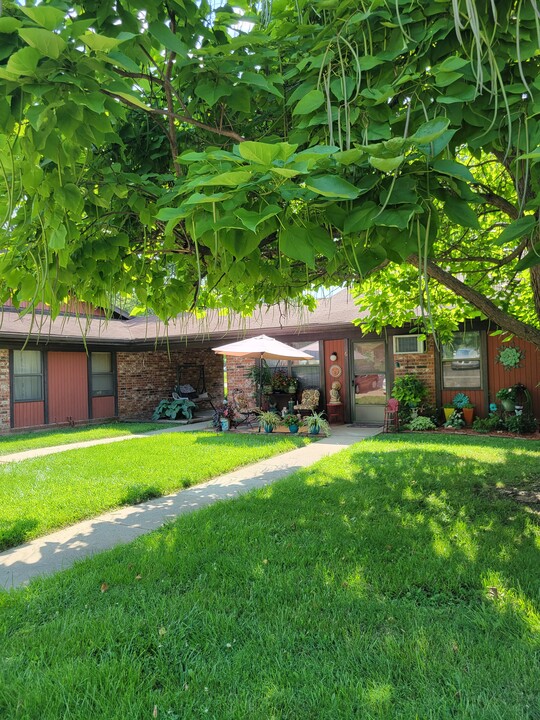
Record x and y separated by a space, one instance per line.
205 156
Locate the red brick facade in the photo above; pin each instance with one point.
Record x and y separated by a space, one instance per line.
5 418
145 378
422 365
237 369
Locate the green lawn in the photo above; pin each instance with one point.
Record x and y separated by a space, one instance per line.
49 492
64 436
389 582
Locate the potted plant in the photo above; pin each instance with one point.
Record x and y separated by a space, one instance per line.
223 416
462 402
280 382
293 385
507 396
410 391
292 422
316 423
261 376
448 410
268 420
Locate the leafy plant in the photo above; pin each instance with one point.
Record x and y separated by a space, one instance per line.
455 421
225 410
409 390
171 408
486 425
268 418
521 424
260 374
316 423
290 420
280 381
421 423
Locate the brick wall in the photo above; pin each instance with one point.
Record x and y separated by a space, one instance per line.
5 419
145 378
237 368
422 365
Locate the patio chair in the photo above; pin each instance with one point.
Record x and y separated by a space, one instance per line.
245 413
391 416
309 402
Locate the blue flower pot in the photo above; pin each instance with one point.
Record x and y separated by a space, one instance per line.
293 428
315 430
268 429
225 424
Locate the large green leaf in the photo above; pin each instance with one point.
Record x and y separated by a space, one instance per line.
458 211
531 258
454 169
212 92
311 101
257 79
361 218
430 131
48 43
167 38
518 228
23 62
9 24
99 43
332 186
393 217
44 15
259 152
386 164
252 219
230 179
295 242
239 242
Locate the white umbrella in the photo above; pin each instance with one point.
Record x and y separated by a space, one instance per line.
262 347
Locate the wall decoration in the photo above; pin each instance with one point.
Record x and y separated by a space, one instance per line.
335 371
510 357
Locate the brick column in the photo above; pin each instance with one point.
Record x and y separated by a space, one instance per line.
5 416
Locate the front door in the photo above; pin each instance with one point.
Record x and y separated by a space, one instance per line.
67 386
369 389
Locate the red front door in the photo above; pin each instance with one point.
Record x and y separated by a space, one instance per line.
67 376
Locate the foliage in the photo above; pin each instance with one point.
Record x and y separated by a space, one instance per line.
390 561
83 483
455 421
196 159
506 394
486 425
316 423
510 357
521 424
225 410
280 381
171 408
269 418
290 420
260 374
460 401
517 393
409 390
421 423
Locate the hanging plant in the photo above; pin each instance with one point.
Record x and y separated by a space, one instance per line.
510 357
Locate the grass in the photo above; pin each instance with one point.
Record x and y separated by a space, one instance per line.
53 491
47 438
389 581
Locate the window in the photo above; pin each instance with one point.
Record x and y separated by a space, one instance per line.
27 376
102 374
308 372
408 344
461 366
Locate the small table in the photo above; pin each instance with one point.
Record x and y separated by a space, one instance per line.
335 412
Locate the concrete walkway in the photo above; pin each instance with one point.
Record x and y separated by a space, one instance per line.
61 549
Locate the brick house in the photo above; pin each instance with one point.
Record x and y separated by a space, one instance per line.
82 367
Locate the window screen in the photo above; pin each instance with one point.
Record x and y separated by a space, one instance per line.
27 376
461 362
102 374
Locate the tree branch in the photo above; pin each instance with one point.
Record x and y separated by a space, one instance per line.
502 318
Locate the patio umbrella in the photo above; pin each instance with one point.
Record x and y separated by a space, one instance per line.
262 347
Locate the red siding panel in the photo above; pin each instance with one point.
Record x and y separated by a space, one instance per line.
28 414
528 373
102 407
67 386
475 396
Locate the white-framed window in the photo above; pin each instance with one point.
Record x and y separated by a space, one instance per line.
461 361
409 344
27 376
102 374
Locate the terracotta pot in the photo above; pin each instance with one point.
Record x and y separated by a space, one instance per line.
468 415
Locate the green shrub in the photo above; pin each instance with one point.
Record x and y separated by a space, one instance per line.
521 424
485 425
421 423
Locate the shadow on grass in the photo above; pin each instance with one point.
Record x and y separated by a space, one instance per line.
16 533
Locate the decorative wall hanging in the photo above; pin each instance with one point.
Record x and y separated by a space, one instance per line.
510 357
335 371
